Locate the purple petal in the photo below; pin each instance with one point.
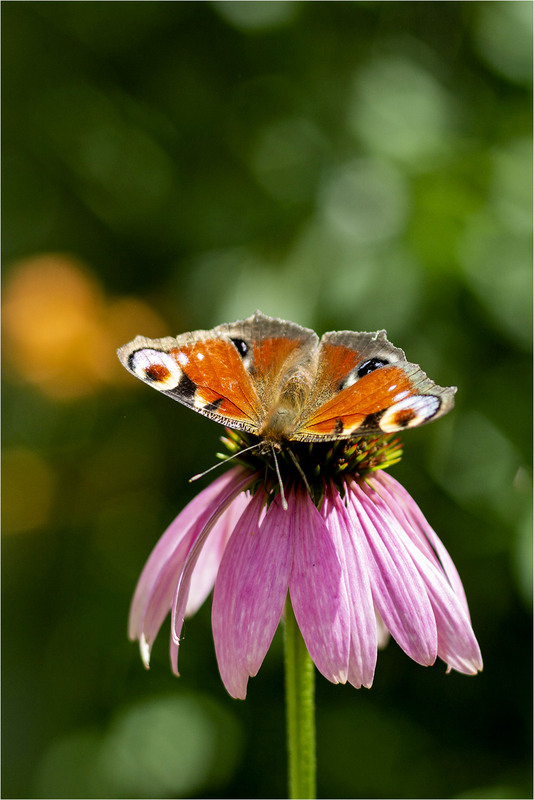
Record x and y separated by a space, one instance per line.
318 592
250 591
398 590
155 588
207 566
204 525
457 645
396 496
363 626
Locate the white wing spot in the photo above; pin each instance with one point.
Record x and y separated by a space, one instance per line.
350 380
156 368
410 412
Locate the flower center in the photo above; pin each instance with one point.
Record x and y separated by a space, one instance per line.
312 464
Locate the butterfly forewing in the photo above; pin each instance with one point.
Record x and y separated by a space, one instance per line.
351 407
200 370
365 385
230 374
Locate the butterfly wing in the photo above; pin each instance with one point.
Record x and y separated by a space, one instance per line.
229 374
365 385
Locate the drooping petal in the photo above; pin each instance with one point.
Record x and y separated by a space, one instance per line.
457 645
318 592
153 595
393 506
206 523
399 499
207 566
250 591
398 591
363 626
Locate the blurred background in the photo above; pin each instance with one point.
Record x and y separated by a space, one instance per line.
174 165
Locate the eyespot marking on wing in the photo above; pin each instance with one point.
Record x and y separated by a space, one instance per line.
370 365
245 352
240 345
410 412
363 369
157 368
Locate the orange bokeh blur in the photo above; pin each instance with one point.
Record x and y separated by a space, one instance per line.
61 331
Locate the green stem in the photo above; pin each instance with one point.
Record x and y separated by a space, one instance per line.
300 699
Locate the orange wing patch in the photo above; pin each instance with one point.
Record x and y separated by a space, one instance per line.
216 368
336 363
370 394
211 402
270 356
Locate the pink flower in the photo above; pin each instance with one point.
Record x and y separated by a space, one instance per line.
367 559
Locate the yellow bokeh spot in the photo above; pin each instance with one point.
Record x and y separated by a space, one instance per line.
61 331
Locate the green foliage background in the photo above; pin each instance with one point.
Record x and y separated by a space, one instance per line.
357 165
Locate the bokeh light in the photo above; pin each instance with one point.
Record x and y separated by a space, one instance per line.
400 110
61 331
157 747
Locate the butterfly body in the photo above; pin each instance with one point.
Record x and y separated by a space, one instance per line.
278 381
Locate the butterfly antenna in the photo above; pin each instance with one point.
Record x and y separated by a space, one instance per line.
282 493
222 463
299 469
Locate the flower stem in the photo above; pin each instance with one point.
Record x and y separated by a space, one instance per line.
300 700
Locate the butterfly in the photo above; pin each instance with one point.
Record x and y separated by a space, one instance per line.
280 382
